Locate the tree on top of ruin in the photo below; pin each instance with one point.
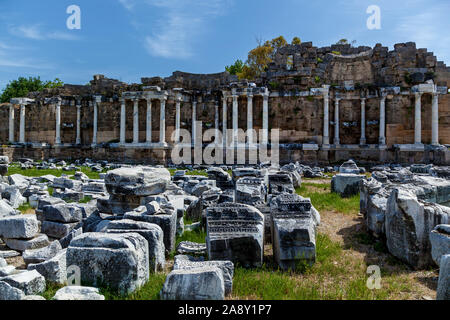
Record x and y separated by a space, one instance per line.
235 68
22 86
296 40
259 58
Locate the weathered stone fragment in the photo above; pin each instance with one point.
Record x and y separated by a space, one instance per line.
440 242
30 282
346 184
78 293
183 262
443 290
151 232
19 227
191 248
40 241
96 253
293 231
194 284
8 292
235 232
42 254
54 269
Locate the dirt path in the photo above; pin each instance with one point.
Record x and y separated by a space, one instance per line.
345 229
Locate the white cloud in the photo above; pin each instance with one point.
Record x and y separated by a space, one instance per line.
35 32
128 4
12 56
181 24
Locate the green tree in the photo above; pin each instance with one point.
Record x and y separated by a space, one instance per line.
296 40
260 57
22 86
342 41
235 68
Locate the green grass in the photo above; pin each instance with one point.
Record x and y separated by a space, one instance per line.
51 289
190 172
15 169
25 208
334 276
323 199
198 236
86 199
149 291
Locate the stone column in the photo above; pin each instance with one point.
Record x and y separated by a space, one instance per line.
11 123
435 120
326 117
177 119
418 119
216 120
58 123
94 136
224 119
235 118
78 138
162 121
250 118
265 119
123 122
136 121
148 128
336 122
363 122
194 119
382 138
22 124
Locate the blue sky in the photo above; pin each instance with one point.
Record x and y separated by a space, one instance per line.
130 39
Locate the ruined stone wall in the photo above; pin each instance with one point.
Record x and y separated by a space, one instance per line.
351 72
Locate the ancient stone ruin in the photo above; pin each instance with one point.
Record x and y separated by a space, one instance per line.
330 104
351 113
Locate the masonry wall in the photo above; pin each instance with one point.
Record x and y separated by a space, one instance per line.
300 120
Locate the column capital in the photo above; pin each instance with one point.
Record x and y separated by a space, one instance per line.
418 94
